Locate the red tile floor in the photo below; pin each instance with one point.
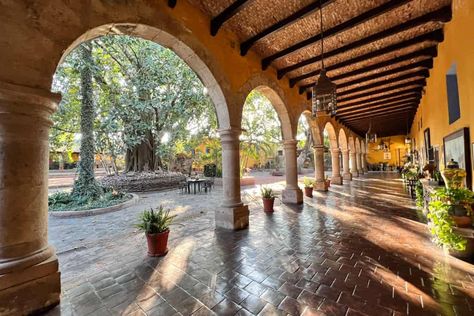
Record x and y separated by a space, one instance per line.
358 249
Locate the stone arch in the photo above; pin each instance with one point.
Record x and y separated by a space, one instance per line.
333 138
342 138
163 38
362 147
351 143
273 92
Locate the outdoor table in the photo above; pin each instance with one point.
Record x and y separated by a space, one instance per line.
194 182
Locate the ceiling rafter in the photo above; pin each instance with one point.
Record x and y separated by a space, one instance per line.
418 82
227 14
421 73
172 3
357 116
424 64
435 36
381 97
341 114
372 13
293 18
441 15
408 110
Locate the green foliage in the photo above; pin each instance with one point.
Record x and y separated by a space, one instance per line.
441 226
155 221
308 182
210 170
452 197
64 201
267 193
419 194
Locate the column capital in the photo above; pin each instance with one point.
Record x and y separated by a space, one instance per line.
345 151
13 98
290 143
316 147
335 150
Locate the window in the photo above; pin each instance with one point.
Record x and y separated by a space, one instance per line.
453 95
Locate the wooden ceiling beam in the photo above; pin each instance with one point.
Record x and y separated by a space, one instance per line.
419 82
368 114
442 15
227 14
341 114
422 73
405 109
384 97
425 64
293 18
364 17
172 3
435 36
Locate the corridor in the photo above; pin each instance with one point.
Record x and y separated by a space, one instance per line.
358 249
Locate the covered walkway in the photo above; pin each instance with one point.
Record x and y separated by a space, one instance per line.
358 248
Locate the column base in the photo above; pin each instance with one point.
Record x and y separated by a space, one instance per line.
320 186
294 196
355 174
36 288
234 218
361 172
347 176
336 180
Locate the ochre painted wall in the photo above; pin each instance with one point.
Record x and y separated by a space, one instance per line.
457 48
397 145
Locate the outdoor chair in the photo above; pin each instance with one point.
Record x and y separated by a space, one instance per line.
183 186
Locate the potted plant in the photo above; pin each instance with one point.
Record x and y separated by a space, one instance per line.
268 197
438 178
308 187
155 224
458 203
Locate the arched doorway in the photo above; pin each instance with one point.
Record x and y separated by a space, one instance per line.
344 145
335 153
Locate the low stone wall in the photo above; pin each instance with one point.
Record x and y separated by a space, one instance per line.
144 181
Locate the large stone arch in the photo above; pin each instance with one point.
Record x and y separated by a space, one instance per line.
342 138
273 92
333 138
163 38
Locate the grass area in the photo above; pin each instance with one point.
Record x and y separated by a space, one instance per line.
64 201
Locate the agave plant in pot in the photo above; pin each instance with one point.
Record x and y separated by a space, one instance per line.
155 223
268 197
308 187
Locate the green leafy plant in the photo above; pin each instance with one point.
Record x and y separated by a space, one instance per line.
441 227
308 182
155 221
267 193
65 201
453 197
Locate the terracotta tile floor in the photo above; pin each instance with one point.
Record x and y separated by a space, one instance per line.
358 249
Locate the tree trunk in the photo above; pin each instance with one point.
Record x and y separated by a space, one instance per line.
86 185
141 157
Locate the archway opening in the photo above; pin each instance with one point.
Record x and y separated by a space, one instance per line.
304 136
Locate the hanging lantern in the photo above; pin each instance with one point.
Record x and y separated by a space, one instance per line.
407 140
324 100
370 137
324 96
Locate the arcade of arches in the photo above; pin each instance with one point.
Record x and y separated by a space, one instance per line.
36 36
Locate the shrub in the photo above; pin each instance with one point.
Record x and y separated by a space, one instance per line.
155 221
308 182
267 193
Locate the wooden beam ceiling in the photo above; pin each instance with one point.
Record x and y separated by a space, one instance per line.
225 15
291 19
364 17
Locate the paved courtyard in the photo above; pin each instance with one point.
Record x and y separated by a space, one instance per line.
358 249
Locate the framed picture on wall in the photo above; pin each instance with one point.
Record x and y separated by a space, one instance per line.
456 146
427 140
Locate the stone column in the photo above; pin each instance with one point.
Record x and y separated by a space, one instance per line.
336 168
354 170
346 174
233 214
359 163
29 275
292 192
364 162
319 183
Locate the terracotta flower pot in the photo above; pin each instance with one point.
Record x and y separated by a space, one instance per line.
462 221
308 191
157 244
268 204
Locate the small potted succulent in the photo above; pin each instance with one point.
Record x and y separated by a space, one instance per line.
308 187
155 223
268 197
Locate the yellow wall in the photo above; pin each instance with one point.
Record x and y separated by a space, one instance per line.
397 145
457 48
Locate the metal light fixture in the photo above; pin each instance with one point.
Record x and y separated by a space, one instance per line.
324 100
370 137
